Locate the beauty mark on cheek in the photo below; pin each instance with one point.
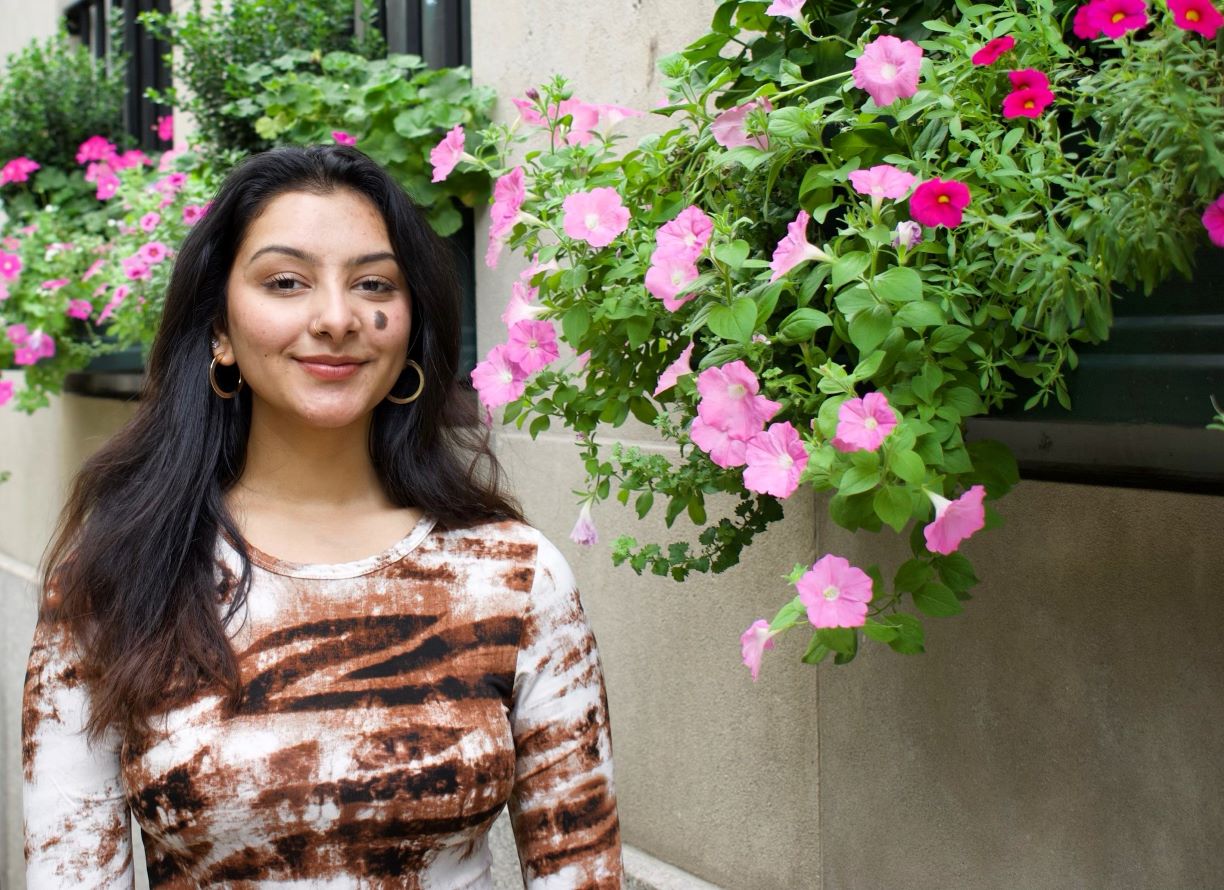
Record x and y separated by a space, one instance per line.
380 320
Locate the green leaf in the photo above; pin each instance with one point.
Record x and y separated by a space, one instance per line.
881 633
912 575
575 323
637 330
848 267
909 639
843 640
789 615
735 322
937 600
964 400
858 479
732 254
893 505
956 571
907 466
539 425
801 324
867 368
898 284
919 315
869 328
947 337
816 651
789 122
643 504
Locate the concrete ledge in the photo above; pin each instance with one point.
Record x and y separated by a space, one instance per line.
644 872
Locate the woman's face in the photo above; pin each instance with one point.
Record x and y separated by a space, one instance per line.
319 312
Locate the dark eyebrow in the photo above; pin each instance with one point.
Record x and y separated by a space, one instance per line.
311 258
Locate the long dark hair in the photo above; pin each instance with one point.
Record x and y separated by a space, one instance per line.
130 570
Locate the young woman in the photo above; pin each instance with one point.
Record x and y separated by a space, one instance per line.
289 621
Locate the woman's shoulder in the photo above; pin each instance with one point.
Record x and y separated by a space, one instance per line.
501 539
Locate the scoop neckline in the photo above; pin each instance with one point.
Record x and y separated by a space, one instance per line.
337 570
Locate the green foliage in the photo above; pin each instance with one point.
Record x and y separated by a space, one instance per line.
944 329
212 46
54 96
395 107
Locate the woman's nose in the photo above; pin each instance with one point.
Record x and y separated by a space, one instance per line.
333 311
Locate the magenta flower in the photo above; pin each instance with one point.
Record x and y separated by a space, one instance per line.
149 221
835 593
1028 79
1213 221
1196 15
939 202
673 372
165 127
532 345
153 252
343 138
94 268
596 217
54 284
794 249
776 458
78 309
18 334
882 181
1084 25
17 170
993 50
863 424
509 193
1116 17
135 268
192 214
446 154
791 9
498 380
6 391
753 643
133 157
731 402
107 185
584 532
668 274
907 234
888 69
38 345
116 299
687 234
1026 103
955 520
4 292
10 265
724 450
730 129
95 148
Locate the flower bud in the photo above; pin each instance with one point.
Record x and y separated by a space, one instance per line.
907 234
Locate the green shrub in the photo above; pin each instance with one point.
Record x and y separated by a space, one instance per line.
215 44
54 96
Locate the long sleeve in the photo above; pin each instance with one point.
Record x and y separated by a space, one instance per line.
563 806
77 829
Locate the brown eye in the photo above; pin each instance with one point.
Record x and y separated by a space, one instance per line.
283 282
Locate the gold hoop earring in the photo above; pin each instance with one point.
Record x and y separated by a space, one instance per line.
212 380
420 386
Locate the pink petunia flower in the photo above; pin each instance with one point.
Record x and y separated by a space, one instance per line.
95 148
509 193
794 249
863 424
133 157
939 202
611 115
670 273
94 268
165 127
687 234
1213 221
4 292
40 345
673 372
993 50
343 138
584 119
528 112
1026 102
107 184
753 643
149 221
1200 16
135 269
955 520
724 450
115 301
1084 25
776 458
10 265
498 380
791 9
532 345
882 181
1116 17
730 400
584 532
596 216
192 214
153 252
835 593
446 154
6 391
78 309
18 170
730 129
54 284
521 305
18 334
888 69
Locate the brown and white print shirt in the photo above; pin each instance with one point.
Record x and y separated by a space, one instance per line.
392 706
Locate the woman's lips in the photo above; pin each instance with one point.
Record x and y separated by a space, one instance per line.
330 372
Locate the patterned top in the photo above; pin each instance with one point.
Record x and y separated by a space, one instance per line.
392 706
